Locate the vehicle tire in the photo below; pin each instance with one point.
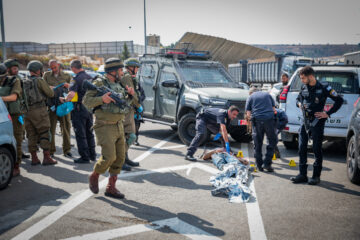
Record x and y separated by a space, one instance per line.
186 129
352 167
294 144
6 167
240 134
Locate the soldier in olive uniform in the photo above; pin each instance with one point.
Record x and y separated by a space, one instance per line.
132 65
37 121
54 78
108 126
13 70
10 92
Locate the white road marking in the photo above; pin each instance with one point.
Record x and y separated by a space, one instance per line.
83 196
153 149
172 147
256 225
175 224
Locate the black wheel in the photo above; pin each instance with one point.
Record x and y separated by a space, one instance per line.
353 171
186 129
6 167
240 134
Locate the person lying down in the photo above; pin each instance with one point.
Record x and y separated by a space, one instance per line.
207 155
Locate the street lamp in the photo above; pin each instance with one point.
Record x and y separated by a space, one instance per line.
145 27
3 31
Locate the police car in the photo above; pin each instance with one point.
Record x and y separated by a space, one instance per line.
344 80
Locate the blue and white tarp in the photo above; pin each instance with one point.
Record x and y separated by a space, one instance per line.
233 178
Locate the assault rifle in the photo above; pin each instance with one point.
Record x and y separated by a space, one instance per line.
307 123
118 97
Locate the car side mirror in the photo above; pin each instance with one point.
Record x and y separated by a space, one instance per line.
170 83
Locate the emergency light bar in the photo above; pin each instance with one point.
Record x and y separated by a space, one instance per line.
184 54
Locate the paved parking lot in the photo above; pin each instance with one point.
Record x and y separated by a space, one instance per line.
168 197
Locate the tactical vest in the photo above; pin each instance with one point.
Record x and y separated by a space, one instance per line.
32 95
111 107
15 106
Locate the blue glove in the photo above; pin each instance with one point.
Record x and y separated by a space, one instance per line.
217 136
21 120
227 145
140 109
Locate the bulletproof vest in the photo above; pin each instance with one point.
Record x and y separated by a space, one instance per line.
32 95
5 90
314 101
111 107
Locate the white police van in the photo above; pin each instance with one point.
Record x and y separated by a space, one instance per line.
345 81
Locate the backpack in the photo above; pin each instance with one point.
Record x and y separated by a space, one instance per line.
32 95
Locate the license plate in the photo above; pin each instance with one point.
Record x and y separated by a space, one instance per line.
327 107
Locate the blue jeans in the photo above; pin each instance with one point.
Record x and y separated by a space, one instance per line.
259 128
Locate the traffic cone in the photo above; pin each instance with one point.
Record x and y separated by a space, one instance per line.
240 154
274 157
253 165
292 163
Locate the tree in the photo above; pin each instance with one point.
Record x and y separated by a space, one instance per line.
125 53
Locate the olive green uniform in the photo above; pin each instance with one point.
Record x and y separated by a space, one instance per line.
108 128
37 123
65 121
9 86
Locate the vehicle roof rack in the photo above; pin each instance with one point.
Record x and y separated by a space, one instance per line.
185 53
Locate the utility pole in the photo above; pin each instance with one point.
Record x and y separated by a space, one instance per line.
145 26
3 31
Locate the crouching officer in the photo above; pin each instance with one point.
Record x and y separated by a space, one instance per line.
132 65
311 100
214 119
37 122
108 126
11 92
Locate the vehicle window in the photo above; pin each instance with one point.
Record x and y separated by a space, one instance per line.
277 86
147 71
148 74
205 74
340 82
165 76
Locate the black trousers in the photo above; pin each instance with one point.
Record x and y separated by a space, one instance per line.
317 134
82 121
259 128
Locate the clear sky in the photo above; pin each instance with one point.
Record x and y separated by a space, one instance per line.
250 21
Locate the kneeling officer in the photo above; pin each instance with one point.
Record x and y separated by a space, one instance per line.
108 126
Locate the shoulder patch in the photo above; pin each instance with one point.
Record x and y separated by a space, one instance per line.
329 88
333 93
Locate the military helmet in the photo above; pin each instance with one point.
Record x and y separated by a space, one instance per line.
34 66
11 63
132 62
3 70
113 64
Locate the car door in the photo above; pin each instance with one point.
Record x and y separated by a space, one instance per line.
167 95
148 75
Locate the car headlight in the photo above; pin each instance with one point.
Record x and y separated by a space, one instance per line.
212 101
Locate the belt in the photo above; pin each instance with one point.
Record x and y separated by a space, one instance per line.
108 122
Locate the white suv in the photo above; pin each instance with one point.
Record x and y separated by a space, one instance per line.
345 81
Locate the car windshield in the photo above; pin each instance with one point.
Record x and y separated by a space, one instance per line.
205 75
341 82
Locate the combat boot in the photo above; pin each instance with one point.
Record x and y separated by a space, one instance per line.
94 182
16 171
111 190
299 179
130 163
34 159
47 159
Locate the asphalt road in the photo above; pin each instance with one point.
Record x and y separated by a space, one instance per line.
168 197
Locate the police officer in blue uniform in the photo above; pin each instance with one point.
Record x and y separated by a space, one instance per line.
82 119
214 119
311 100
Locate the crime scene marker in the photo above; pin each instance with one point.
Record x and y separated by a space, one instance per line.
292 163
240 154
